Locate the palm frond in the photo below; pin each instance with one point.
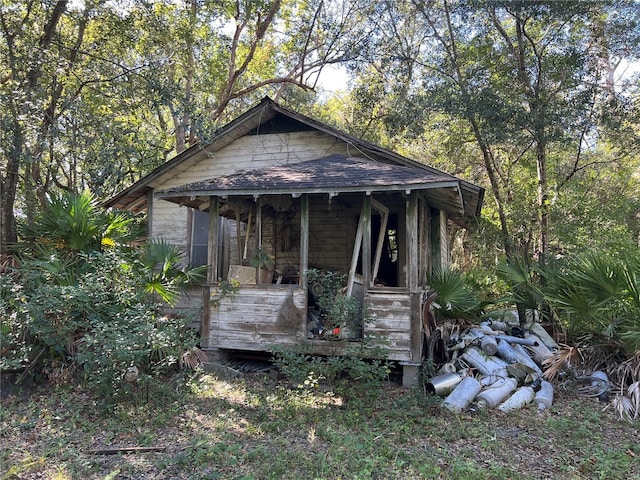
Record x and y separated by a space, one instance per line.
521 278
562 359
633 392
623 406
156 286
628 371
193 358
455 298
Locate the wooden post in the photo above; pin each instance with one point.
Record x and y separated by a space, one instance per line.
444 240
205 321
356 253
304 240
413 263
258 237
412 241
436 253
424 241
212 250
212 271
366 241
239 234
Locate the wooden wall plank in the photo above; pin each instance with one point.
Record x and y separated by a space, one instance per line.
253 314
392 322
258 151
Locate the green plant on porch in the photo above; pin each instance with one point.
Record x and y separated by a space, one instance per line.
337 309
262 259
224 289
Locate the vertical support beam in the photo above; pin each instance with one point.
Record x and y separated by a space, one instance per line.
440 239
421 243
436 240
239 234
259 222
150 214
212 250
366 241
212 272
304 240
413 263
259 237
428 258
444 240
355 255
412 241
416 335
205 321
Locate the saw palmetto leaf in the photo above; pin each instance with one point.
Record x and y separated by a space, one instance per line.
623 406
633 393
562 359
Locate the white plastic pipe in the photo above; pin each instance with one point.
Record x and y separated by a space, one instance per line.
518 400
462 395
487 365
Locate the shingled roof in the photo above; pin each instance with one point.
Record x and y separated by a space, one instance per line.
331 174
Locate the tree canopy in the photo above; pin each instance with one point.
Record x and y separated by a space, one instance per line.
534 100
527 98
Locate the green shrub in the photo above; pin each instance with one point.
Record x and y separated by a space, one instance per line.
346 375
92 306
597 294
101 325
594 296
137 338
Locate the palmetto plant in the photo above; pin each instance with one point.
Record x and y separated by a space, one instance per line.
73 226
85 296
73 223
167 276
597 295
456 298
522 278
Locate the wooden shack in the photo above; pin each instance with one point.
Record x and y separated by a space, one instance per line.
278 186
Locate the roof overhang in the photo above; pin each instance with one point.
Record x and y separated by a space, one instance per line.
332 175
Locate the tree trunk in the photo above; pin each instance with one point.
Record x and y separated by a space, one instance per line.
543 199
8 190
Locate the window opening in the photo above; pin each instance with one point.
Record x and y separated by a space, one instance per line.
199 238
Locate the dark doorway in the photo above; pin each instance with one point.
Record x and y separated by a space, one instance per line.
388 269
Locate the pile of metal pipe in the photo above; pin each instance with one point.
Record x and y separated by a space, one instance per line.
495 367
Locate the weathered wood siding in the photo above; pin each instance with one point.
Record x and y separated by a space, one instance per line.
171 222
258 151
258 318
189 306
331 236
332 229
391 310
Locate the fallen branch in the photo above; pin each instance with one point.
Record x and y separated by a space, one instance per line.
116 450
30 366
